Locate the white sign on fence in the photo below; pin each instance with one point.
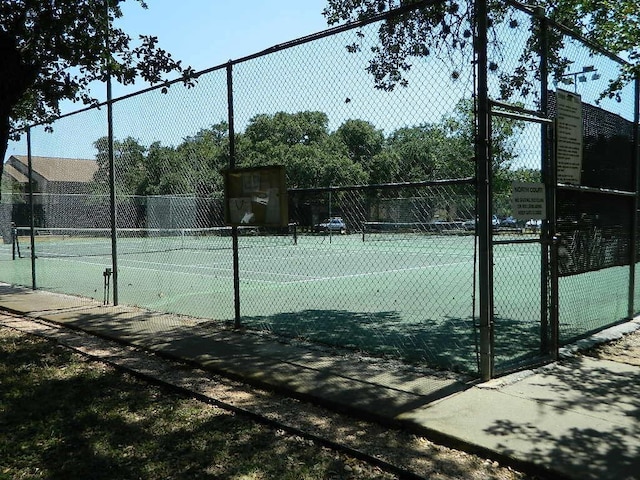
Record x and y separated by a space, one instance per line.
528 201
568 137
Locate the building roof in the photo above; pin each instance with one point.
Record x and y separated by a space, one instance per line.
57 169
14 174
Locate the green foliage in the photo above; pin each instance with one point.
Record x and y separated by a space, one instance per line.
129 161
356 153
53 51
444 30
303 144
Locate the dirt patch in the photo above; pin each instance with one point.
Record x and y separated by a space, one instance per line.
625 349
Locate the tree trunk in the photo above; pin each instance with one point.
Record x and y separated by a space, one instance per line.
16 76
4 139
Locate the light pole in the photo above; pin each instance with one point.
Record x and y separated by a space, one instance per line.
580 76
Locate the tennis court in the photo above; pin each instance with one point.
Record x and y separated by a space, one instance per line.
405 295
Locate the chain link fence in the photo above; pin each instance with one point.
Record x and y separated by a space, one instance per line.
595 218
381 253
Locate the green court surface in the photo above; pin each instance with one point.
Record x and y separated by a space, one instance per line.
407 297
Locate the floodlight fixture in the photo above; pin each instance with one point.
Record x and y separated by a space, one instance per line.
579 76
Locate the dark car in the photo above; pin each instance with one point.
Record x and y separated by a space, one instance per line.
509 222
333 224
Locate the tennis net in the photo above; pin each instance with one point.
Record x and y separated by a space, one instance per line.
91 242
393 231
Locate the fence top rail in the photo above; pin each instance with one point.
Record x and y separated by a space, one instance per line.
340 28
539 12
386 186
534 12
273 49
603 191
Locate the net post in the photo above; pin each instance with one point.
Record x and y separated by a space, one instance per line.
14 240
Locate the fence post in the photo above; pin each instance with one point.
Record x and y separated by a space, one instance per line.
483 176
554 347
234 229
32 238
112 192
633 235
548 280
112 167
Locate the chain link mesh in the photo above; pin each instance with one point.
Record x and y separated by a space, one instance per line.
65 195
595 226
380 251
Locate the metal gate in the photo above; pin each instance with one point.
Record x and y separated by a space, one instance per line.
522 288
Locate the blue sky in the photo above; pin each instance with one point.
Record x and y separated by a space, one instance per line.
205 33
321 76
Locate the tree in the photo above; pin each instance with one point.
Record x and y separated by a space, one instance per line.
302 143
425 152
203 156
445 150
461 125
364 144
129 163
52 50
362 139
437 30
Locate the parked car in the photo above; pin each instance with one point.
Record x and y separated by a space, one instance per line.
509 222
333 224
533 225
471 223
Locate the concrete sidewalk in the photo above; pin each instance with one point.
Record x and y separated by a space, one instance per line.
577 418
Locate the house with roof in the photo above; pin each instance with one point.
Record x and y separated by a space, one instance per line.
51 174
62 190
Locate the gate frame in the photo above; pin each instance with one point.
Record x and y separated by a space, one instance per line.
549 325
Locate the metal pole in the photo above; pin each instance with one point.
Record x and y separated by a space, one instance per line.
552 241
112 168
547 178
32 224
483 175
234 229
633 235
330 213
554 347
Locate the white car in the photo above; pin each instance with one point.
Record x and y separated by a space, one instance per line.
533 225
471 224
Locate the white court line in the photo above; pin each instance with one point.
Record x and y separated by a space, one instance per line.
304 278
228 271
385 272
297 278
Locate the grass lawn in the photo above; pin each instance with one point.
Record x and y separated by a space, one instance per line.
65 417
